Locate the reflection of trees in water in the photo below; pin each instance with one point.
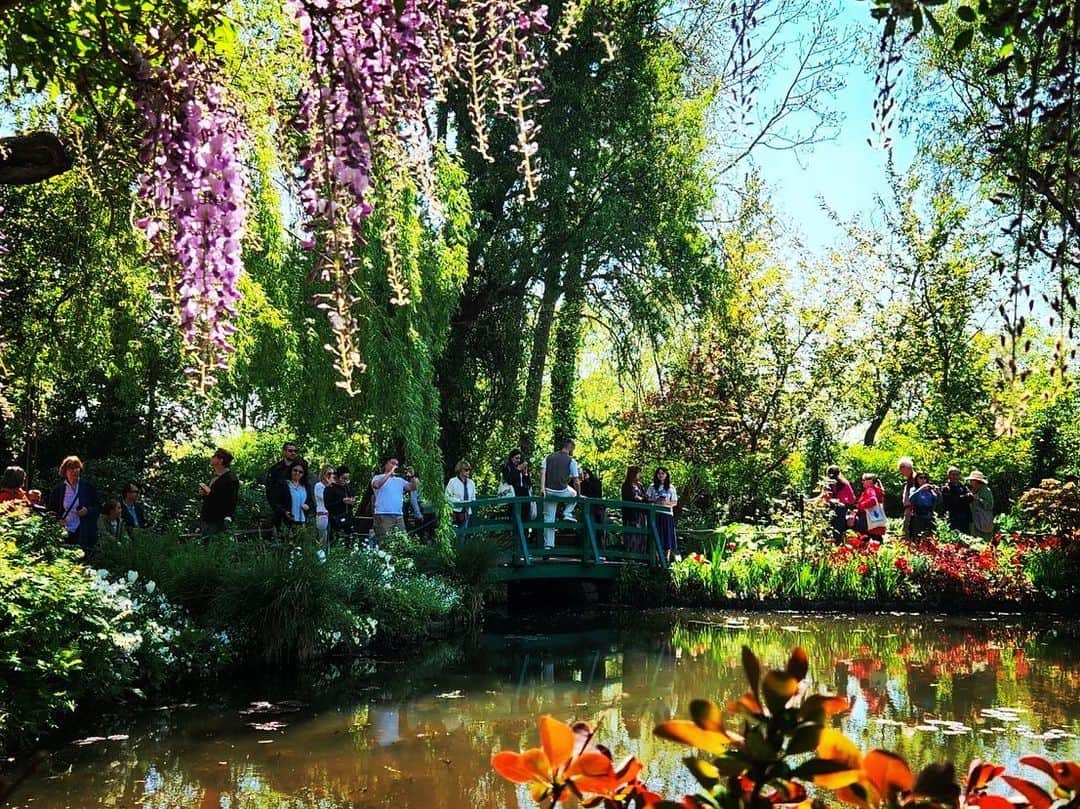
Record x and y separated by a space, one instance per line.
402 739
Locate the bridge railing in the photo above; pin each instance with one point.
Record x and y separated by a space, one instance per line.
599 538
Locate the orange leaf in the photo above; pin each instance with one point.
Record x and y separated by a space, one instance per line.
838 780
777 688
752 668
628 771
1036 795
824 704
532 765
856 794
980 774
1066 774
592 772
990 802
887 772
747 704
835 746
686 732
557 739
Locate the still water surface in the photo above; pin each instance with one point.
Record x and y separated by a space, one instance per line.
420 733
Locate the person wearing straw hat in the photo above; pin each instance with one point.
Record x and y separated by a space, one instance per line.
982 507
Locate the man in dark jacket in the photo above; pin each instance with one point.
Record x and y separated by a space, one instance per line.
279 472
76 505
219 495
956 499
132 511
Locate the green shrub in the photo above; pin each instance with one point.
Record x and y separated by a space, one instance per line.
69 633
284 602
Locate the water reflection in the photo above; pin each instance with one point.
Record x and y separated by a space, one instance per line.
422 733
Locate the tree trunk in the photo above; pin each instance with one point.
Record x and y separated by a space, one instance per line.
879 416
564 364
534 384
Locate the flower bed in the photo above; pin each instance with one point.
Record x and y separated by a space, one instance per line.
766 565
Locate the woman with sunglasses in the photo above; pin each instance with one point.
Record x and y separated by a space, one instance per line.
924 499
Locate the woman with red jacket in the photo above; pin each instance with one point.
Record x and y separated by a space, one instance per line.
839 497
873 494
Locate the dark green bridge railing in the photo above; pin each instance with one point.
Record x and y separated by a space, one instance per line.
599 546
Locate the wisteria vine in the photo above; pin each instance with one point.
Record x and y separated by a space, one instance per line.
196 189
374 66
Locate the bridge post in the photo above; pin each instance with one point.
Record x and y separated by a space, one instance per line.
590 536
654 532
519 529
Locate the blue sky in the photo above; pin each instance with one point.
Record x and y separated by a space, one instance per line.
846 172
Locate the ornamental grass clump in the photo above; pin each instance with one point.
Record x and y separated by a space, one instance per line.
776 748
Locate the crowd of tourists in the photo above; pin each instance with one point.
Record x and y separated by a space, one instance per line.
326 499
966 504
74 501
392 500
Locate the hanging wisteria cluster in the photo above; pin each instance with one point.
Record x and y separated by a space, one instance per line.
375 65
195 188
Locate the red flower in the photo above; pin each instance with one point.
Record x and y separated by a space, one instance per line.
863 568
731 546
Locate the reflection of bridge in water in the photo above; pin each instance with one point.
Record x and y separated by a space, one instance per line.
593 547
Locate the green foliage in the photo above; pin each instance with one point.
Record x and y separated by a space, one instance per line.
614 233
642 586
69 633
287 602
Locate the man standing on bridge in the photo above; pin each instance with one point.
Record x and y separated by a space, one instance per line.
559 478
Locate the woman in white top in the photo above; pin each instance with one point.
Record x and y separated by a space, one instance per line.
663 493
322 516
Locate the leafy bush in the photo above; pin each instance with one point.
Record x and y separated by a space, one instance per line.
286 602
1054 505
69 633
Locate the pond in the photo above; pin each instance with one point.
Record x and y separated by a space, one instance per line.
421 732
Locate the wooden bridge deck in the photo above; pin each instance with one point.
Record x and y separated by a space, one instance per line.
592 547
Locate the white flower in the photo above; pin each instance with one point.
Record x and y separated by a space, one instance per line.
150 587
132 576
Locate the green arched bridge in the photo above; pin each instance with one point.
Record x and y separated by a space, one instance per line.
594 546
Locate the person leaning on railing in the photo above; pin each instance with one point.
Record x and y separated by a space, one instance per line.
633 492
559 480
515 482
460 490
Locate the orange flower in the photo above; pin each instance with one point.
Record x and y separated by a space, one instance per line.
558 768
865 781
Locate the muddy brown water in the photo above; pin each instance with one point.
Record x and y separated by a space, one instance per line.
420 732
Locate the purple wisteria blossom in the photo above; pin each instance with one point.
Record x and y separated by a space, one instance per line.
196 189
374 66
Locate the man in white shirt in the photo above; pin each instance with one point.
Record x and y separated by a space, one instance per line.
461 489
559 478
390 491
